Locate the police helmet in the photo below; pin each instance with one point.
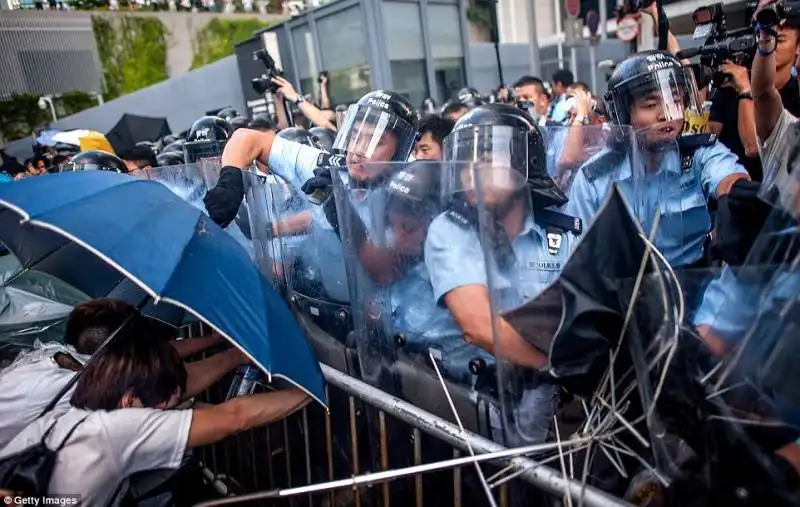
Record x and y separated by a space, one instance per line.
428 106
149 145
326 137
174 146
261 121
209 128
228 113
300 135
414 190
206 139
656 75
375 115
167 140
239 122
469 97
502 136
169 158
95 160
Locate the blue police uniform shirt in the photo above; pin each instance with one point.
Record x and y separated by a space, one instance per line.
679 194
559 110
427 325
322 251
455 258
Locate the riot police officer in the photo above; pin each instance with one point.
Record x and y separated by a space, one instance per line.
529 240
206 138
95 160
238 122
228 114
380 129
650 91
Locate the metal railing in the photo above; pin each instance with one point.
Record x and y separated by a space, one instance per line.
368 431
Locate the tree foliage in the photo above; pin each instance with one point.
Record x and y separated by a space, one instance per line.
133 52
216 39
20 113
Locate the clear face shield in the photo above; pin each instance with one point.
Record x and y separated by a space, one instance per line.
70 167
491 158
371 135
655 104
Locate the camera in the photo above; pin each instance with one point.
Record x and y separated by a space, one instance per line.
779 13
264 83
738 46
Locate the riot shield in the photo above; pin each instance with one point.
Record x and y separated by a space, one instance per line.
408 341
396 236
191 182
269 201
568 148
590 313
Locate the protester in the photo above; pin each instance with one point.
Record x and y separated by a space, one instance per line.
36 377
121 420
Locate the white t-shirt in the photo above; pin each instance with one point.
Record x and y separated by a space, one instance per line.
775 152
107 448
26 388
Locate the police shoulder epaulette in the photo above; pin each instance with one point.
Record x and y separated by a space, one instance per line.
551 218
689 144
458 219
605 162
330 160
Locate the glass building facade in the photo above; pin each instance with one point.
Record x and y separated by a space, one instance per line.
414 47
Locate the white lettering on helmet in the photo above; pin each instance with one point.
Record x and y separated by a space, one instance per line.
398 187
660 65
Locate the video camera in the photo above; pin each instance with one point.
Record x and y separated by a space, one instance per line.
264 83
738 46
778 13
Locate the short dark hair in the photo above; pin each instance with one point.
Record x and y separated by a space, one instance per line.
564 77
132 365
453 107
581 86
530 81
142 156
438 126
90 323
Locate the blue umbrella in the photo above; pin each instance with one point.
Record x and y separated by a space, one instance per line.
169 249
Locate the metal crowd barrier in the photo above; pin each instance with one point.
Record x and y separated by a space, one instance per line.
313 447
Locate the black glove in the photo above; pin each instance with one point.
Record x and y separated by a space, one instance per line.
356 227
322 181
222 202
740 217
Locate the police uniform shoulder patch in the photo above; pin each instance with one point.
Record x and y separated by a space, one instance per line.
458 219
461 214
689 144
330 160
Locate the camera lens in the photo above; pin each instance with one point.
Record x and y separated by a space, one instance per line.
767 16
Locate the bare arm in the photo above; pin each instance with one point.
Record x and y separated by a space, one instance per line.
712 340
324 100
280 111
191 346
203 374
241 414
747 127
470 308
295 224
768 103
310 111
247 145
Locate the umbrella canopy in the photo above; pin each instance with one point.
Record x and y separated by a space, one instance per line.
46 137
84 140
174 253
131 129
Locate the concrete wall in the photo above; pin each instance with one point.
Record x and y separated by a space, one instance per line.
181 100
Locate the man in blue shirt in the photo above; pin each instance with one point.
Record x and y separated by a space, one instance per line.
676 175
378 130
519 248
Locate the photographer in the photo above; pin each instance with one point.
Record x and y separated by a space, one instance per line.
312 112
775 92
759 99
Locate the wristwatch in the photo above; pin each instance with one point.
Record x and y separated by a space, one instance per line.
582 119
745 95
299 99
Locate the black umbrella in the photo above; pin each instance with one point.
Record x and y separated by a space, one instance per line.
131 129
